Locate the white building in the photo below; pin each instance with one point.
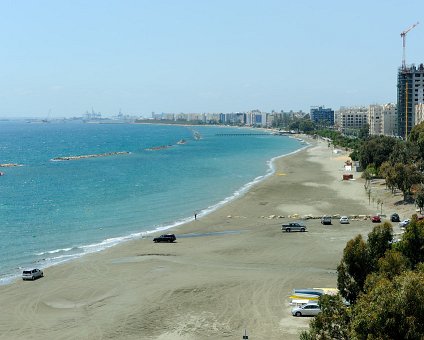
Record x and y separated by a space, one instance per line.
390 120
382 119
375 117
419 113
352 117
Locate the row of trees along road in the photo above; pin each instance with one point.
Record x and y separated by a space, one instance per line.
399 162
384 282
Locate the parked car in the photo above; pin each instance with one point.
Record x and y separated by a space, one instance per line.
404 223
344 220
309 309
376 219
293 226
326 219
32 274
394 217
165 238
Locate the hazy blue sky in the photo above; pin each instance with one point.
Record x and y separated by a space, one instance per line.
201 56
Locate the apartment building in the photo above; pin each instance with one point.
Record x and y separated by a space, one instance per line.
354 117
419 113
410 94
321 115
382 119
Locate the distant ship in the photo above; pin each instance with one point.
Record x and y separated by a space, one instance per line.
182 141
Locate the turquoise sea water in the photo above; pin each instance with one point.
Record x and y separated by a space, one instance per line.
54 211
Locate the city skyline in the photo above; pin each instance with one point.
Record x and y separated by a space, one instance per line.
61 59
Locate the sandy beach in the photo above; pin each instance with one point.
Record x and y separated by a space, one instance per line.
230 271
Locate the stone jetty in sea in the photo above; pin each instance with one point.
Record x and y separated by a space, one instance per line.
160 147
9 165
74 158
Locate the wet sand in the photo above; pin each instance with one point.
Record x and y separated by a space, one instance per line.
228 272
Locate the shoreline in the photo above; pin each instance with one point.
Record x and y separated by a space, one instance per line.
236 274
121 240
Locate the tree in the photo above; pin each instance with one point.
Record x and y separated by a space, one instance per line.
368 175
405 176
412 243
391 309
419 199
353 269
376 149
392 264
364 132
417 137
332 322
379 241
387 171
404 152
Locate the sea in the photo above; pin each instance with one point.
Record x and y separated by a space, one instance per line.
55 211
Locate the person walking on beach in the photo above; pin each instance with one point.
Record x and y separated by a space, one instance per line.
195 216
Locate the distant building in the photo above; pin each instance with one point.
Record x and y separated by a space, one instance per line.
354 117
321 115
382 119
390 120
419 113
375 117
410 94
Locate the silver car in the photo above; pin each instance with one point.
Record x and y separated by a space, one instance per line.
32 274
404 223
344 220
310 309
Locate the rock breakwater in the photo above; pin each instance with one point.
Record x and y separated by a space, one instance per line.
74 158
9 165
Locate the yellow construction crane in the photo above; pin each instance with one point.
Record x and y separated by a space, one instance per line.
403 35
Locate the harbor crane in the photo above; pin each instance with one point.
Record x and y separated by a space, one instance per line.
403 35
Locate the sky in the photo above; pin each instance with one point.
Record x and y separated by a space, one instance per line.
63 58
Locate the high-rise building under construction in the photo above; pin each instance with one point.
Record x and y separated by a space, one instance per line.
409 96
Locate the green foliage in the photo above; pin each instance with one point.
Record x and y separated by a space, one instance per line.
332 322
391 309
360 258
376 150
384 282
404 152
353 269
393 263
364 132
412 243
404 176
419 199
379 241
417 137
340 140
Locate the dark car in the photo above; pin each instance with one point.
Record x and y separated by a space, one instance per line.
394 217
376 219
326 219
165 238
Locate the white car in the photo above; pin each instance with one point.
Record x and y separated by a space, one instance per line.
32 274
344 220
310 309
404 223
